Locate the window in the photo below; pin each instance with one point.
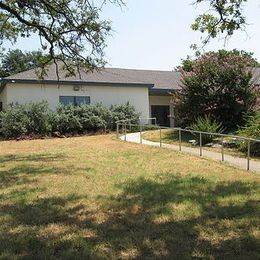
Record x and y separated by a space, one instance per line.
82 101
66 100
74 100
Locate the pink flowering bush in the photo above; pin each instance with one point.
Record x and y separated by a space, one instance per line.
218 84
257 91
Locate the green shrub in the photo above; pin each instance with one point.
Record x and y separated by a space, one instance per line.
100 117
66 120
123 112
31 118
78 119
40 118
13 122
206 124
251 130
36 118
71 119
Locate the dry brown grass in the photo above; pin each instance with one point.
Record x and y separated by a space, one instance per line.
97 197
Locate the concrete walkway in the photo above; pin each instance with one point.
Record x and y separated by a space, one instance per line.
235 161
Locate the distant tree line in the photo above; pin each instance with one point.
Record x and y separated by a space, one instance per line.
15 61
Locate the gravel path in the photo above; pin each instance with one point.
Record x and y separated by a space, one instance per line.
235 161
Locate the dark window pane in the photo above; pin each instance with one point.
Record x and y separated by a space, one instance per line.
67 100
82 101
74 100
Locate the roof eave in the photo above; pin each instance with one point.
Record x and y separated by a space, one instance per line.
161 92
72 82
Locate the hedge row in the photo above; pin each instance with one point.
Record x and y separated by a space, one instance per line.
37 119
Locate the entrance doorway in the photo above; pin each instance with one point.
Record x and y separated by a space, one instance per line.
162 114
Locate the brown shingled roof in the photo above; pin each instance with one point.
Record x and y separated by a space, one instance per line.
160 79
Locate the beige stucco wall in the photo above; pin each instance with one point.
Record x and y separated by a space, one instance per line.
24 93
160 100
3 97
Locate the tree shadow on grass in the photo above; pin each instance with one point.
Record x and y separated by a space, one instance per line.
183 218
18 175
22 174
172 218
38 229
26 168
43 211
31 158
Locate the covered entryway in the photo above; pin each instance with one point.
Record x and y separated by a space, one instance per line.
161 113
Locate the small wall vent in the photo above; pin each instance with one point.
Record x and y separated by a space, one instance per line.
76 88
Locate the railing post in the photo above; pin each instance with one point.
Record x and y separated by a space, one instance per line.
200 144
125 131
117 130
248 156
180 139
141 139
222 148
160 137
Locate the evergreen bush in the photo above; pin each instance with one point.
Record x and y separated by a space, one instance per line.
31 118
251 130
206 124
38 119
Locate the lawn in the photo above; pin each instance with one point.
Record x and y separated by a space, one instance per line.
100 198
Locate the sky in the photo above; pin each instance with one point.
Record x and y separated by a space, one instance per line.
156 34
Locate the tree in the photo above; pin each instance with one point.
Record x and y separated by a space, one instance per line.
186 64
225 17
257 90
217 84
71 31
15 61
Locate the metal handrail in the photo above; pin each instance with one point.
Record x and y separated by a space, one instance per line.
217 134
148 118
195 131
142 127
123 121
